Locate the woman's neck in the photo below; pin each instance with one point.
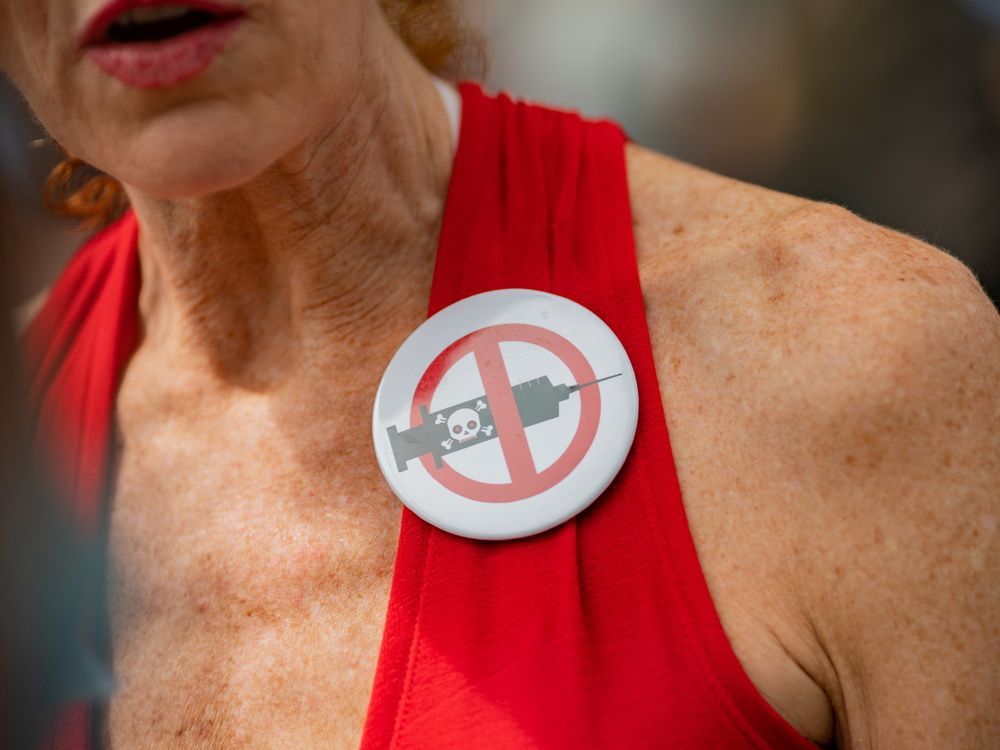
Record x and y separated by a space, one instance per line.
315 255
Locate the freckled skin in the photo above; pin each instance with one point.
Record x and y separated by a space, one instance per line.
830 387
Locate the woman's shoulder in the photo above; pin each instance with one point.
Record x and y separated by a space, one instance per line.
842 378
848 339
808 284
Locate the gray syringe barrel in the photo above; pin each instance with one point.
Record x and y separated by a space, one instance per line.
538 400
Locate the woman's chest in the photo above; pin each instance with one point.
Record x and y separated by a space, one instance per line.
250 577
252 559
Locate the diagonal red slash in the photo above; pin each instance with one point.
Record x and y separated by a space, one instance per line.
513 442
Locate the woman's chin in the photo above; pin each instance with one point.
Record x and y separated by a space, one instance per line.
194 151
185 183
174 174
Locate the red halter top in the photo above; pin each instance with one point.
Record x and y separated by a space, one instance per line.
597 634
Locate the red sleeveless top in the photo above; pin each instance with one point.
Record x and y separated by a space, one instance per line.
597 634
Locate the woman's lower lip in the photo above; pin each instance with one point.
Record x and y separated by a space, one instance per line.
167 62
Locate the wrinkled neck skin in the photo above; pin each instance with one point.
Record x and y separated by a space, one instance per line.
314 259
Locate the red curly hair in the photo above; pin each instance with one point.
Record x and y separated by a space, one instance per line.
432 29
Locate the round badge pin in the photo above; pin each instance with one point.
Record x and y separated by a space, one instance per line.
505 414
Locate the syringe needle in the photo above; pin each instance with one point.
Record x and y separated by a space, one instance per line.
575 388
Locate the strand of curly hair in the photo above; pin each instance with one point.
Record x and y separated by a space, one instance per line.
432 29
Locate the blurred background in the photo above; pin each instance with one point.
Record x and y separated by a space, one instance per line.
888 107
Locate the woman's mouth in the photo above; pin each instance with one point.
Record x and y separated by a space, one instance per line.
157 43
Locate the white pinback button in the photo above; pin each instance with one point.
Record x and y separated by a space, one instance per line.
505 414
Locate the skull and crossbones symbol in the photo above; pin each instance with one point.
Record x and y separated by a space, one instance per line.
463 425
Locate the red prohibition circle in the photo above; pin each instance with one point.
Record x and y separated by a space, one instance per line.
526 480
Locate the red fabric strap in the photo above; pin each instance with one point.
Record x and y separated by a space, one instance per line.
600 632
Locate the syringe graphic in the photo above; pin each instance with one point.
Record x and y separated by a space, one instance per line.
471 422
538 400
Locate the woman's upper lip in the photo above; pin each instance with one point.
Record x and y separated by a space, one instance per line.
96 27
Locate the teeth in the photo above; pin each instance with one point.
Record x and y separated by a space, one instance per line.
149 15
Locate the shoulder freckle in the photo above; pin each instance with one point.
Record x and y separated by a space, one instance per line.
844 267
889 325
794 296
834 235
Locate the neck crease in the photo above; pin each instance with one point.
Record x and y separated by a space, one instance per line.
319 253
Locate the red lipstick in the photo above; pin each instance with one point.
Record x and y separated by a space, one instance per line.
158 43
